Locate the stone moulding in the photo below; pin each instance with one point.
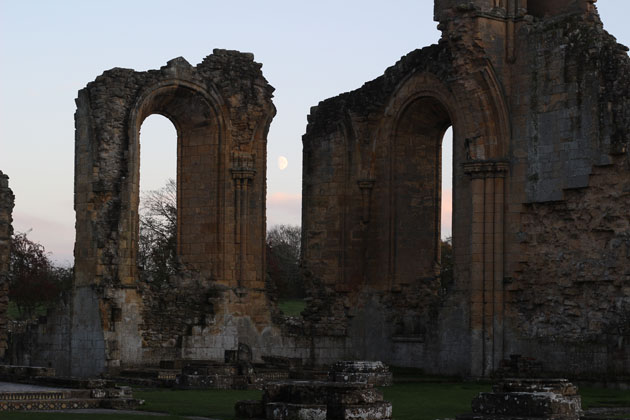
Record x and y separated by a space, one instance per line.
221 110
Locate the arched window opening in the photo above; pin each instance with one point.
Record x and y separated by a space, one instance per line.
417 189
446 209
157 210
447 184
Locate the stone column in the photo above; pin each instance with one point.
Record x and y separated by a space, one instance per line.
6 230
486 282
243 173
366 186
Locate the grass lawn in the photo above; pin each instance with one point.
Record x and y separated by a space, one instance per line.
430 401
426 399
411 401
81 416
212 403
14 313
292 307
602 397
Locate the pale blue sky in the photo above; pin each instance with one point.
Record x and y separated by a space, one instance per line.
310 51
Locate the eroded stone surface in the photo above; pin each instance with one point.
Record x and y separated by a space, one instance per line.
374 373
528 398
351 396
539 104
7 200
538 100
222 110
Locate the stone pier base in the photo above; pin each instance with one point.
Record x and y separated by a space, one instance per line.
534 399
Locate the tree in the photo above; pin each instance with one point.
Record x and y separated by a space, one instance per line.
283 259
447 263
34 282
157 244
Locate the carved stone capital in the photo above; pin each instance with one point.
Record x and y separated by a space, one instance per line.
243 165
243 173
486 169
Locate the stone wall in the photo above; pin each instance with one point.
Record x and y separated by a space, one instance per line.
43 342
6 230
539 105
540 113
222 110
568 291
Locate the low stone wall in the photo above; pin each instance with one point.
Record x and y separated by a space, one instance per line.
349 394
373 373
316 400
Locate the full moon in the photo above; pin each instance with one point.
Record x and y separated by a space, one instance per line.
282 163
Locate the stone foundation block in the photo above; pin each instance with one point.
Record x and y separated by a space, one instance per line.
375 373
297 392
185 381
356 396
284 411
249 409
377 411
536 404
555 399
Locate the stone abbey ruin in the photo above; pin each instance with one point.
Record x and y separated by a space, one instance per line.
538 97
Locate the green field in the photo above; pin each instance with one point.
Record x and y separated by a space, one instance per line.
415 398
292 307
604 398
69 416
14 313
213 403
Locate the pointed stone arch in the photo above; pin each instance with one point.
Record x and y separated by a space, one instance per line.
222 117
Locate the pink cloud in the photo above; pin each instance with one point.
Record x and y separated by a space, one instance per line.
56 237
284 209
447 212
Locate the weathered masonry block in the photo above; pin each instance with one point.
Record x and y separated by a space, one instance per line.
222 110
316 400
535 399
7 201
538 98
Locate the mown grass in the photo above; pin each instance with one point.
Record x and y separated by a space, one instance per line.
604 398
411 401
217 404
417 397
292 307
432 400
81 416
14 313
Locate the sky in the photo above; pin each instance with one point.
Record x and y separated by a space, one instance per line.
310 51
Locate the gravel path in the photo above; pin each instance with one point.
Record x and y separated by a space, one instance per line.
13 387
114 412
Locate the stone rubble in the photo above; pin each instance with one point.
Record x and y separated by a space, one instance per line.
349 393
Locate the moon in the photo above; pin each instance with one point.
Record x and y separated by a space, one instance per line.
282 163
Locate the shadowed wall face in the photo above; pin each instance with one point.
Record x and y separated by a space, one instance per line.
547 8
538 97
417 150
6 230
221 110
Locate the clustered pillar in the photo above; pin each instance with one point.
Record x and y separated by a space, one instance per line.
243 173
486 292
